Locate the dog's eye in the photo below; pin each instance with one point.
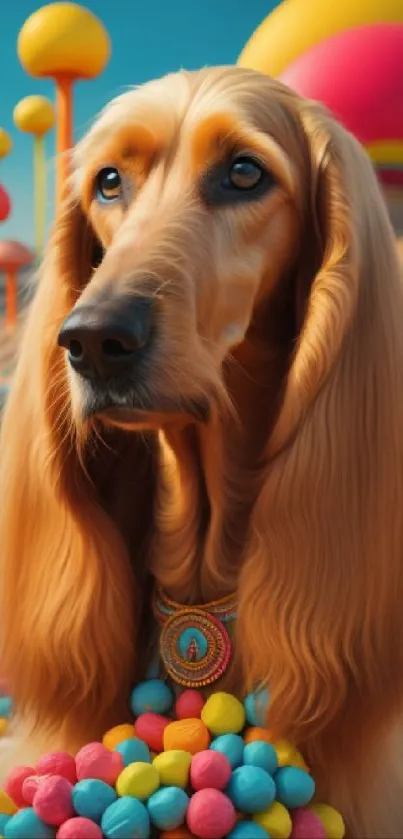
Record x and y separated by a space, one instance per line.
245 173
240 179
108 185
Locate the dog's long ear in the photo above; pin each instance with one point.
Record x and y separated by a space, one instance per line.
323 585
70 605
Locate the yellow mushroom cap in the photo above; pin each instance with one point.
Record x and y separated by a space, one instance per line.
6 143
63 39
34 114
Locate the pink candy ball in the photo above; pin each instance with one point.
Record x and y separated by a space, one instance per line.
79 828
189 705
14 783
97 762
211 814
53 800
306 823
57 763
30 787
209 769
150 728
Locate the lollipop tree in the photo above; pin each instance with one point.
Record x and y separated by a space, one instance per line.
35 115
5 143
65 42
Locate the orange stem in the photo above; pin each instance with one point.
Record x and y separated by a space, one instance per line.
11 298
64 132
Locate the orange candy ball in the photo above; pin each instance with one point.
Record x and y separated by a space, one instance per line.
190 735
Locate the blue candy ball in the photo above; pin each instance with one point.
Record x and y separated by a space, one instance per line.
25 824
153 695
261 754
251 789
294 786
256 705
248 830
91 798
230 745
3 821
167 807
133 750
126 817
6 706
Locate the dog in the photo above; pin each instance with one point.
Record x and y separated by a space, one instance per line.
209 397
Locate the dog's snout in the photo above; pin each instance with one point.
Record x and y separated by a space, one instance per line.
104 341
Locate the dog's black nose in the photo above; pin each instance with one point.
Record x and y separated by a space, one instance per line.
104 341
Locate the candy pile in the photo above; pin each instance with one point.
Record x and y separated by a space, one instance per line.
190 768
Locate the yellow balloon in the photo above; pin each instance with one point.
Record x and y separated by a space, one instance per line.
34 114
6 143
296 25
63 39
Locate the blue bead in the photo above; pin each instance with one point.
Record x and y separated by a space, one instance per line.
251 789
248 830
261 754
230 745
6 706
294 786
133 750
91 798
126 817
3 821
26 824
153 695
256 705
167 807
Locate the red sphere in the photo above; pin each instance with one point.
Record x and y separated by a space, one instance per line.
53 800
14 783
307 823
211 814
150 727
57 763
5 204
189 704
30 787
96 761
79 828
210 769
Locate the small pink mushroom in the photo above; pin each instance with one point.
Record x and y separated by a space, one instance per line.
13 257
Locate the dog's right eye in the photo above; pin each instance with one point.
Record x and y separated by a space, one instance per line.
108 185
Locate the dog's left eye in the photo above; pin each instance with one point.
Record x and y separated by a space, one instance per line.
239 179
108 185
245 173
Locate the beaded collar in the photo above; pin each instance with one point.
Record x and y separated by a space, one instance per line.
195 646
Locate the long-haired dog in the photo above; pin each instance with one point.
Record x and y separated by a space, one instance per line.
209 394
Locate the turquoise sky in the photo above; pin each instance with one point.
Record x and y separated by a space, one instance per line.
149 38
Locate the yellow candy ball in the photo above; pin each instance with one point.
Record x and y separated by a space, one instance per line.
331 820
223 714
7 806
117 735
139 780
276 820
173 767
287 754
3 725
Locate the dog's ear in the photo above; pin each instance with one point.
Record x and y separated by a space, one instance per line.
71 534
319 608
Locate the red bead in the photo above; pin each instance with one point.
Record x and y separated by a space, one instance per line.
210 769
79 828
30 787
211 814
14 782
57 763
189 704
306 823
150 728
96 761
53 800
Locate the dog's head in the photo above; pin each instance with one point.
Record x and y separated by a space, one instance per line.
194 199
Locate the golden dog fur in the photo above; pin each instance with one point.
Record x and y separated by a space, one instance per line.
285 317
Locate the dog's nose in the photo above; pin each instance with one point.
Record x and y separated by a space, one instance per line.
105 342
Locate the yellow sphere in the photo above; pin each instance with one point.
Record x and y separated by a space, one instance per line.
296 25
331 820
276 820
34 114
5 143
63 39
138 780
223 713
173 767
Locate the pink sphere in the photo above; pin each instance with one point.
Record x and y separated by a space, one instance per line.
96 761
79 828
30 786
5 204
150 728
189 705
57 763
53 800
14 783
209 769
211 814
306 823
